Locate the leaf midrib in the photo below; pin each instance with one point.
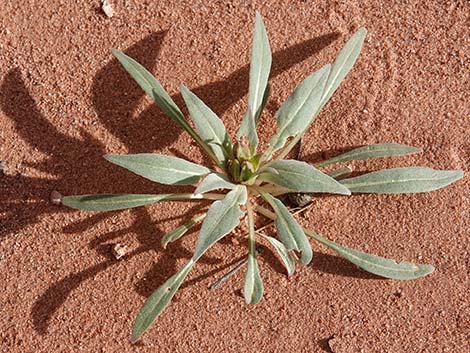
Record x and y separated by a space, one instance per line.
165 168
352 185
214 224
353 154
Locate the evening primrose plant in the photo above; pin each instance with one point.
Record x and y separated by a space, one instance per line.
242 177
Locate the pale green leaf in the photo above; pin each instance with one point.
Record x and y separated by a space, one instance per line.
259 74
148 83
113 202
369 152
158 301
402 180
214 181
160 168
178 232
374 264
223 216
343 63
298 111
208 125
300 176
290 232
253 290
154 89
283 253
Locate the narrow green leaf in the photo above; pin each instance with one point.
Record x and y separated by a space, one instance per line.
223 216
283 253
298 111
178 232
290 232
208 125
259 74
158 301
160 168
154 89
341 67
374 264
148 83
369 152
300 176
113 202
214 181
343 64
402 180
253 290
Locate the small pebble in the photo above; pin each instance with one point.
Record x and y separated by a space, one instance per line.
56 197
107 8
119 251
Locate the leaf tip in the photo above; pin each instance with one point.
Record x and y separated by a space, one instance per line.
422 270
133 338
362 31
428 269
344 191
459 174
111 157
252 300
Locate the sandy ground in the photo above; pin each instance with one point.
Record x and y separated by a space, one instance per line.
64 102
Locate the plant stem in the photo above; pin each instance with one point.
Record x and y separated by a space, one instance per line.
265 212
251 229
207 196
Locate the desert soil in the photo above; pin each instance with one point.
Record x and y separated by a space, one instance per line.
65 102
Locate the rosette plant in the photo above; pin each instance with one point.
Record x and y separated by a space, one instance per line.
241 173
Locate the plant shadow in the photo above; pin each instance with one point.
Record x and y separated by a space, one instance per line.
69 159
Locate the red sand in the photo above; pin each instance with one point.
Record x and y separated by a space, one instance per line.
64 102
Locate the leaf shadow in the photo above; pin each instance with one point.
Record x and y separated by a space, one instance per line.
69 158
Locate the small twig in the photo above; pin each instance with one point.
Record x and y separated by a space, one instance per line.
230 273
227 275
